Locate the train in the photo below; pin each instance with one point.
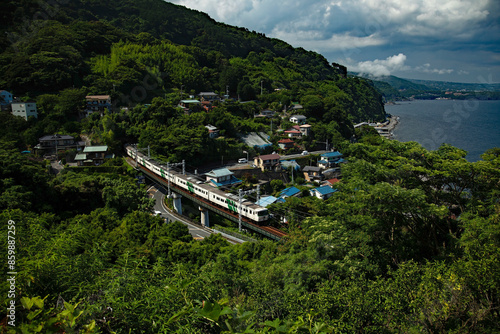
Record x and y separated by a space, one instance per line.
216 197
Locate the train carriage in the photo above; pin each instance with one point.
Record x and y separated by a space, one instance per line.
216 196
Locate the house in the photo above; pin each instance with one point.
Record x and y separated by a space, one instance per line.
312 173
268 200
296 106
267 113
209 96
323 192
187 105
213 132
51 144
298 119
24 109
93 156
221 177
330 159
286 144
96 103
6 99
293 133
268 161
289 192
305 129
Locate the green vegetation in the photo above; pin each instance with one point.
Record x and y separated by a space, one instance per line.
409 243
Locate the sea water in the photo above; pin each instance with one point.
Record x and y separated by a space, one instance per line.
472 125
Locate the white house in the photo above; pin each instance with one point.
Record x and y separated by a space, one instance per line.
24 109
213 132
298 119
323 192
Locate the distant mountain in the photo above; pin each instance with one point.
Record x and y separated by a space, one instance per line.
457 86
395 88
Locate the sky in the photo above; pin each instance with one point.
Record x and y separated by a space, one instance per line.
444 40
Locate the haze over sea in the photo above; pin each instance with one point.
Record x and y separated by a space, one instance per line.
472 125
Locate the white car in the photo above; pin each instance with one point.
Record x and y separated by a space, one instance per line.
305 153
242 161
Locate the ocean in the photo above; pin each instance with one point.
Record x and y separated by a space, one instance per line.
472 125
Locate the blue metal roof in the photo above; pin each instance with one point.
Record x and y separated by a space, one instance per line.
265 201
289 192
325 190
335 154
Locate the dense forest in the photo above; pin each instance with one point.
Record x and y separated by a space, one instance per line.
409 242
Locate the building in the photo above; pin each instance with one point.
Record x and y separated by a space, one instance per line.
93 156
298 119
267 113
96 103
221 177
293 132
289 192
49 145
323 192
269 161
312 173
24 109
213 132
6 99
286 144
188 105
305 129
209 96
268 200
330 159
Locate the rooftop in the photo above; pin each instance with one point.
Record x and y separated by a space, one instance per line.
265 201
325 190
95 149
331 154
219 172
311 169
284 141
269 157
56 137
99 97
288 192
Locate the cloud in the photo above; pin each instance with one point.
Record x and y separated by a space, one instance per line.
361 30
381 67
426 68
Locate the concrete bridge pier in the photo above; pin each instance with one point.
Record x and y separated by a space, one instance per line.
177 202
205 221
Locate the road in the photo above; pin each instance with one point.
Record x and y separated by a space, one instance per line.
250 163
158 193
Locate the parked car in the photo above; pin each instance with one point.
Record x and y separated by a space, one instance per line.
305 153
242 161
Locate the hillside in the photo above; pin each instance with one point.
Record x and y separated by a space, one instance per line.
408 242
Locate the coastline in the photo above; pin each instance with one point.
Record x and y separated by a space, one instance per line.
385 129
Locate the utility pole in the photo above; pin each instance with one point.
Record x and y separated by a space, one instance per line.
261 81
258 192
136 155
149 153
168 180
183 167
240 196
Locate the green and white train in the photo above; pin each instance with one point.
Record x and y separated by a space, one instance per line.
214 196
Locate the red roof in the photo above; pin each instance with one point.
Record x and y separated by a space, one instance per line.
285 141
270 157
332 181
292 131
